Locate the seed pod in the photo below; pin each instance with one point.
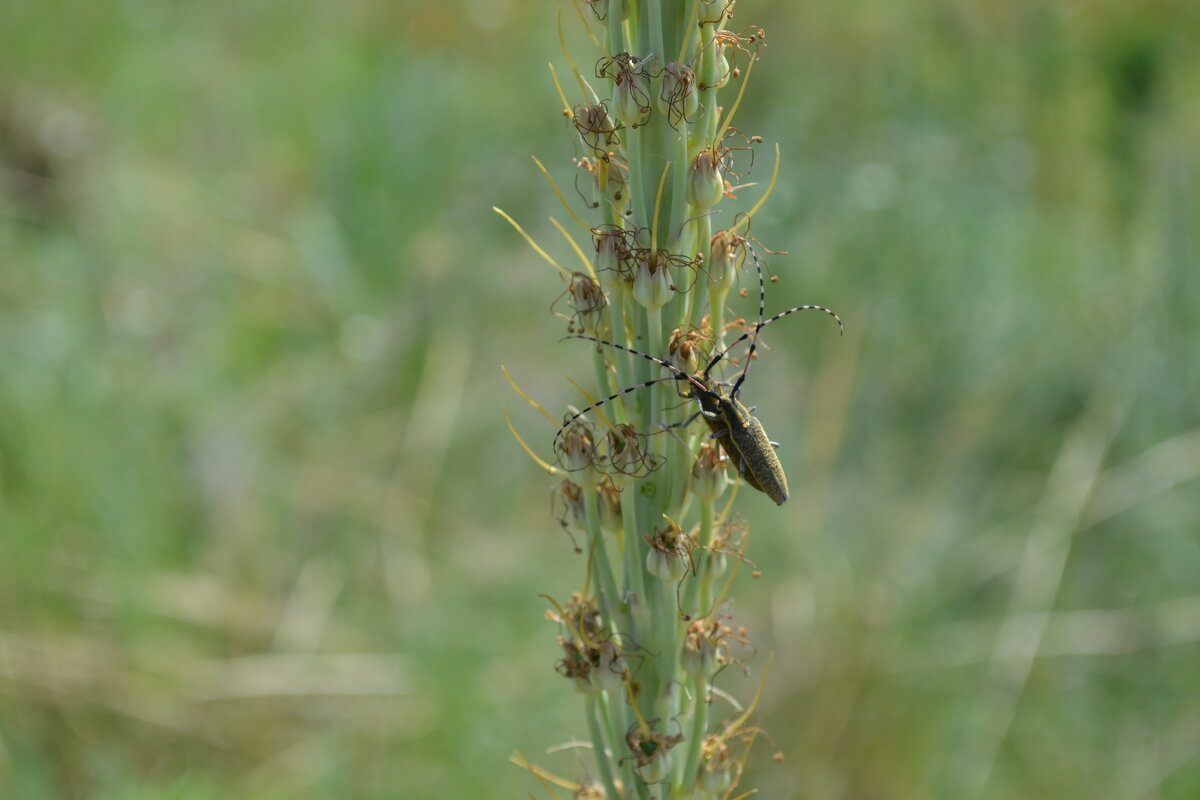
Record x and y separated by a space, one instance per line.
669 555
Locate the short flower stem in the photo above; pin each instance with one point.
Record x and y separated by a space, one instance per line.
614 736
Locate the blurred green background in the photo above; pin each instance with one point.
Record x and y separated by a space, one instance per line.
263 533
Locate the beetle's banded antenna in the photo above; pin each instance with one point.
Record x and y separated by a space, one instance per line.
611 397
760 326
753 334
678 374
762 310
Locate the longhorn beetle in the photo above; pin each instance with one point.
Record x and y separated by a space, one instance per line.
732 424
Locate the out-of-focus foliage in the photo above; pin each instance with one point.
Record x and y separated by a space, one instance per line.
262 531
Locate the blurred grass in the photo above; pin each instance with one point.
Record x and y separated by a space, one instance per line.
264 535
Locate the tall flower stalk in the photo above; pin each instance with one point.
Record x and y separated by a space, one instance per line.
645 488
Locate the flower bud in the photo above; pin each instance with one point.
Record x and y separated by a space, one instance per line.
610 247
709 474
713 11
669 556
610 507
699 658
631 98
587 300
615 182
626 454
568 504
652 281
682 352
656 767
678 99
652 754
666 566
595 127
725 257
721 69
705 183
608 673
576 449
718 769
575 665
613 257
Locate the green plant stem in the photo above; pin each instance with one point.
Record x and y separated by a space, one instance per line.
656 705
643 367
706 537
656 30
620 333
611 600
703 233
599 748
615 736
706 74
716 318
682 163
695 599
614 38
656 348
699 727
640 201
634 557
